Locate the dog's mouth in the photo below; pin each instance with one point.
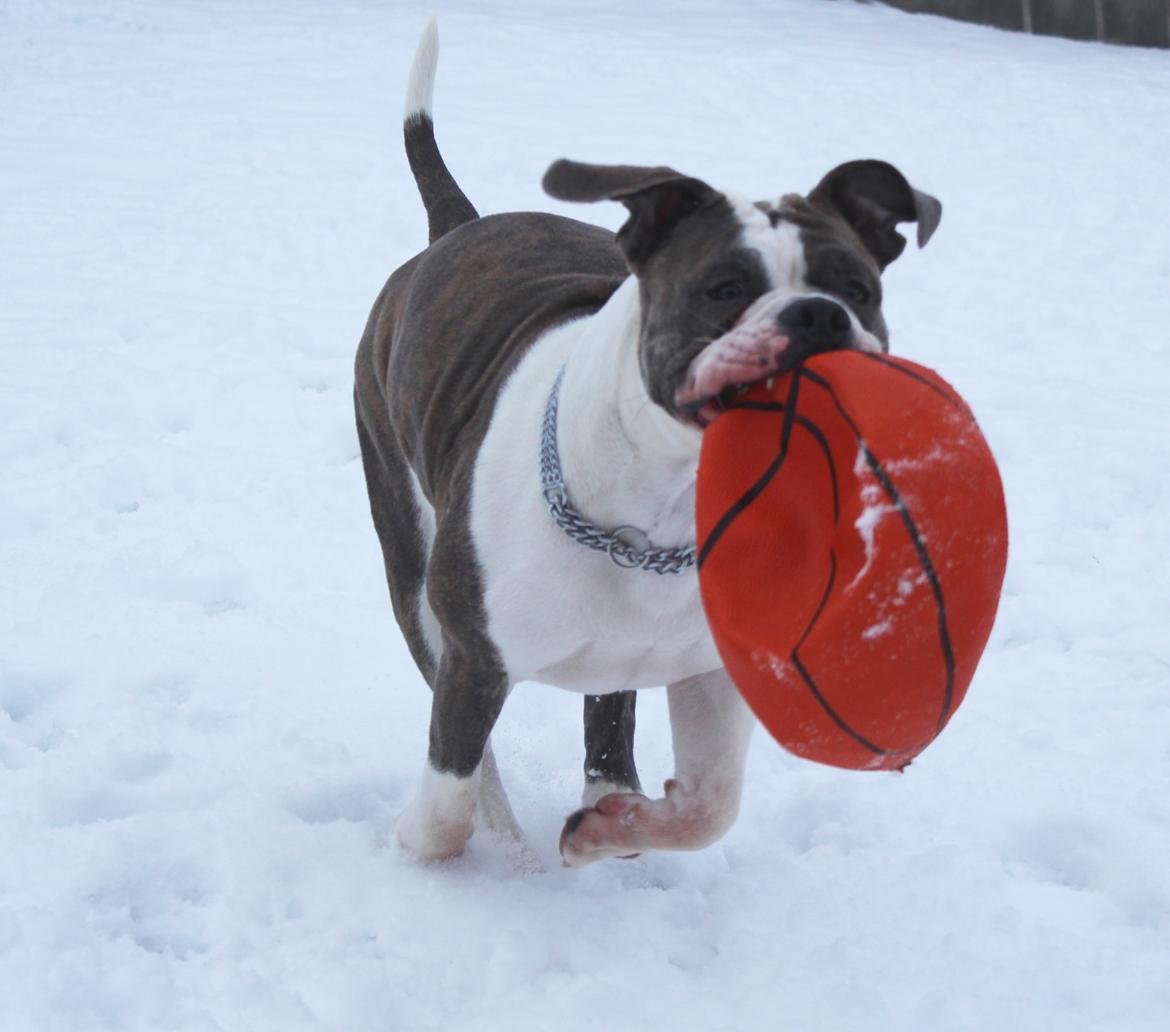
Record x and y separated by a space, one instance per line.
702 412
728 366
745 356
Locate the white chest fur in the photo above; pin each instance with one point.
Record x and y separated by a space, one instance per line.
559 612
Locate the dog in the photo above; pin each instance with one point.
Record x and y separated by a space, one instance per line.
530 394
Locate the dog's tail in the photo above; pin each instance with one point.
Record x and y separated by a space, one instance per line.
447 206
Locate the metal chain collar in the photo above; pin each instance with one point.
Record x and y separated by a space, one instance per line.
628 547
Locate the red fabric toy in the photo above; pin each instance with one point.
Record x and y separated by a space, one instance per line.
852 544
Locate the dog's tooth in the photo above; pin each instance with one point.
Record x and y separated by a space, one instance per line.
770 382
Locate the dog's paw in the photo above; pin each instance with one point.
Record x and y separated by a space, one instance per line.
687 817
429 839
613 827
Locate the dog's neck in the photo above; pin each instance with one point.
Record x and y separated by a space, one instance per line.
625 461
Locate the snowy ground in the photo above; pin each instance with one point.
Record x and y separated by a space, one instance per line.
207 719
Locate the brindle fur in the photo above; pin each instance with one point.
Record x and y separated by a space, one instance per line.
441 340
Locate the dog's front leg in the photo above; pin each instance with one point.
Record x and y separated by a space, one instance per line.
609 746
711 726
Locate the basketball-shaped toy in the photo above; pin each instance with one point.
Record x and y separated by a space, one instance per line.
852 541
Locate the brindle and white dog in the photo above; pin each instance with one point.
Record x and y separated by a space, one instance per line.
616 351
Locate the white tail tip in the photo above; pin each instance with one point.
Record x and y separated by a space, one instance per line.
421 87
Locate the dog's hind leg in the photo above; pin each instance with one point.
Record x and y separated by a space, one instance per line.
470 686
451 650
464 707
493 800
404 525
609 746
496 812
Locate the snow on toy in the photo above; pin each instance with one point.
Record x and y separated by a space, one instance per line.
852 542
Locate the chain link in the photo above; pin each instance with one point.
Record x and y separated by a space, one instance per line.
628 547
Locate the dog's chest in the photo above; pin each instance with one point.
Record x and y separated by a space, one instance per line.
581 626
560 612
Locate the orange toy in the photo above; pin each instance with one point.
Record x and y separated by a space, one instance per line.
852 543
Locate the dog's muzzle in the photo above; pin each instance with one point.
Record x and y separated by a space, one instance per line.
763 345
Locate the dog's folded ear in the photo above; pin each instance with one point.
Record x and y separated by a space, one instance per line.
657 198
873 196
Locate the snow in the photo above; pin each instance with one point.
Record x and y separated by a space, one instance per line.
207 718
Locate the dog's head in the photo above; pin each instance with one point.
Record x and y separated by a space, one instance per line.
734 292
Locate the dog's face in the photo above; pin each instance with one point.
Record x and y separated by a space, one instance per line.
733 292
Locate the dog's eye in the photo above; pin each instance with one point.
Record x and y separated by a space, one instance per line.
728 290
857 292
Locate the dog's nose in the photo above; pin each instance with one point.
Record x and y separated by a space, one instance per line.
817 323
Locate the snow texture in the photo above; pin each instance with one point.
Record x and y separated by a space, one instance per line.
208 721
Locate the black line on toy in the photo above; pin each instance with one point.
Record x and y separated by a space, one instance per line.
916 539
897 367
757 488
811 683
806 424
